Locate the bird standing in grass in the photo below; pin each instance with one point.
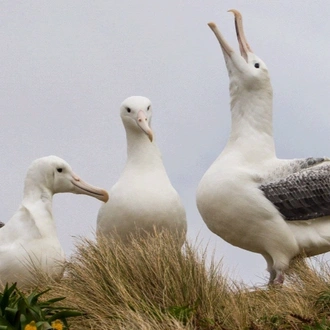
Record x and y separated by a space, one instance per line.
279 208
143 199
29 240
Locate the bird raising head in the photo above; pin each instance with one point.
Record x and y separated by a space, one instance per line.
55 175
136 112
245 70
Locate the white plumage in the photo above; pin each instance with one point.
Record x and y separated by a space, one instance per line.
253 200
29 238
143 199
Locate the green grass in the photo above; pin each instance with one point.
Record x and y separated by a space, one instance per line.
151 284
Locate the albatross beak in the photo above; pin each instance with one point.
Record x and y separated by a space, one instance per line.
142 121
243 45
223 43
82 187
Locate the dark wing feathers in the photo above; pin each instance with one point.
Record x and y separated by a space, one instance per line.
309 162
302 195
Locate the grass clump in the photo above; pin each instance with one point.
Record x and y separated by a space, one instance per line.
152 284
150 278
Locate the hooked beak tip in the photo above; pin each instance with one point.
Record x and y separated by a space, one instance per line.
211 25
150 136
105 196
235 12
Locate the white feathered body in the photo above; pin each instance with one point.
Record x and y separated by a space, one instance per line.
234 207
28 241
143 199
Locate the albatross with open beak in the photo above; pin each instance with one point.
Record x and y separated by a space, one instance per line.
279 208
29 240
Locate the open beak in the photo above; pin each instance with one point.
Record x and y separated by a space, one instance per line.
142 121
243 44
82 187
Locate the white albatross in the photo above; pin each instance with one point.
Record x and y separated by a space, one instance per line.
29 238
143 199
279 208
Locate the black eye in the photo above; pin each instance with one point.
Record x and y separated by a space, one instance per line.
148 108
128 109
59 170
257 65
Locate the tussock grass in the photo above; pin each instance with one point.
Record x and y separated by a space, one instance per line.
151 284
151 279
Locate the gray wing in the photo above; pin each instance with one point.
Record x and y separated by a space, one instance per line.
302 195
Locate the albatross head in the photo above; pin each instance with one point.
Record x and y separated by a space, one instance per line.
136 113
54 175
246 70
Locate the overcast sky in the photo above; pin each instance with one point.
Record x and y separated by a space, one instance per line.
66 66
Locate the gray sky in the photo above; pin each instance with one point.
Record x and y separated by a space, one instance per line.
66 66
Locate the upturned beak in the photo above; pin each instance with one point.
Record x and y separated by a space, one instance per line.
243 44
223 43
82 187
142 121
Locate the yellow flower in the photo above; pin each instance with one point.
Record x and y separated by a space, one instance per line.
31 326
57 325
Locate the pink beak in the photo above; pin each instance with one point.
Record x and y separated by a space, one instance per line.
142 121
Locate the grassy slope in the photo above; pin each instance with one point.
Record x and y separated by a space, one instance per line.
152 285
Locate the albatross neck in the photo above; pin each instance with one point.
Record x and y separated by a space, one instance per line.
251 123
38 201
35 191
141 151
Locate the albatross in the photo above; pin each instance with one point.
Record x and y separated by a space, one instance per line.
29 238
143 200
279 208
